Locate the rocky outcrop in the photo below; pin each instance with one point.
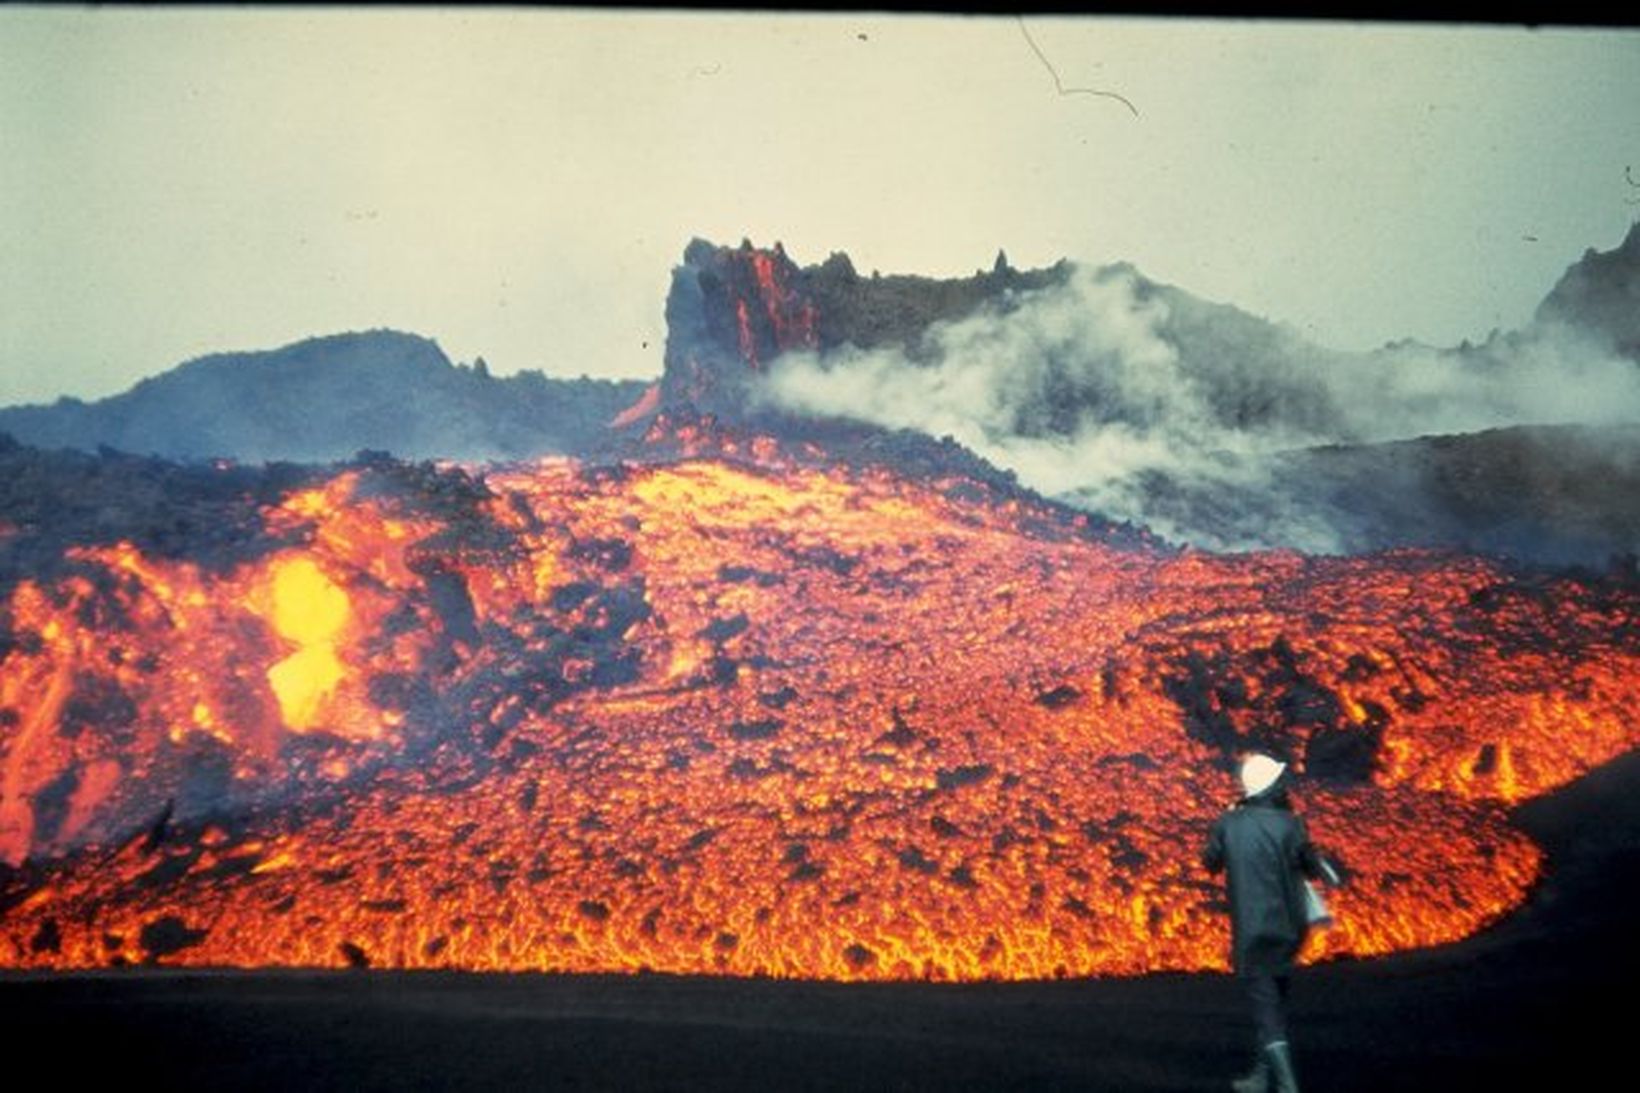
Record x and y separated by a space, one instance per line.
1600 294
732 310
326 398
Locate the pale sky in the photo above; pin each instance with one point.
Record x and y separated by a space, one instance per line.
518 183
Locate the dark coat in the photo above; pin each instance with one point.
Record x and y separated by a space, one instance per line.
1267 852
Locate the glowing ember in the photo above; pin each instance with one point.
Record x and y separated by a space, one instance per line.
761 719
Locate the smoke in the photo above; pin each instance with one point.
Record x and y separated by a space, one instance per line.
1147 404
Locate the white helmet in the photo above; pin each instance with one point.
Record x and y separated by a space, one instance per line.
1259 773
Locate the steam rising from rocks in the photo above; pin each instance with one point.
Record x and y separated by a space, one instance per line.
1144 403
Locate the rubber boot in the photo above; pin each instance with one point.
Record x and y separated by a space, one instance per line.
1280 1058
1257 1080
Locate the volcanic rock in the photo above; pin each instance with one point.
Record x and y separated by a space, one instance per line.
1600 294
732 310
325 398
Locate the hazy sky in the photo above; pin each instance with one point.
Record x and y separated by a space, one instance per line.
518 183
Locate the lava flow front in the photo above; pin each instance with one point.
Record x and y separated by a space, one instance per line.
766 718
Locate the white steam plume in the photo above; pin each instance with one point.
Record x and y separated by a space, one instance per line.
1103 387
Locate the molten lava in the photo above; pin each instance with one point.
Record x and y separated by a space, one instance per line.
308 610
761 718
791 317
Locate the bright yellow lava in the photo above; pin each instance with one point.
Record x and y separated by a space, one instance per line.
311 610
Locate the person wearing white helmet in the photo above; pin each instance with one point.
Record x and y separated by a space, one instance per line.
1264 849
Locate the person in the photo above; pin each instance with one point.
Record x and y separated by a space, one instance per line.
1265 851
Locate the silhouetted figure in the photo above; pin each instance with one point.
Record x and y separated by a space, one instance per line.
1266 852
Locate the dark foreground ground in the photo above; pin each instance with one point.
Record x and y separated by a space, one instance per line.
1533 1003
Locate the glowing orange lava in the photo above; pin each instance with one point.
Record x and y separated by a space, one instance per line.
762 719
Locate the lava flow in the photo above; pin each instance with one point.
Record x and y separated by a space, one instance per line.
767 718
